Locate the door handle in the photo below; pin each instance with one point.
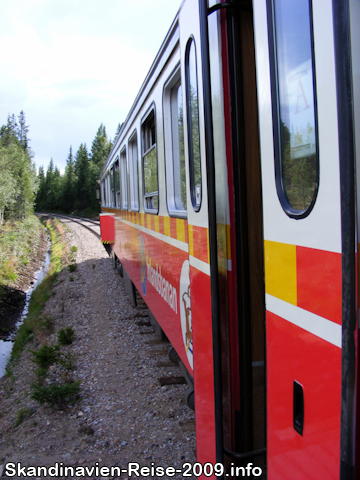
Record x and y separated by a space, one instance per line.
298 407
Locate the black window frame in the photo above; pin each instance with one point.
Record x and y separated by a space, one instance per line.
196 207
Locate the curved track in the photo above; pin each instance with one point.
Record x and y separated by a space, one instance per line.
92 225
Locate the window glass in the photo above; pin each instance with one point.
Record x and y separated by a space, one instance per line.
178 147
124 182
296 104
193 125
103 197
112 186
133 172
150 163
117 183
174 146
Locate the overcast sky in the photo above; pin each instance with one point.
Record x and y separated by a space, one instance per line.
74 64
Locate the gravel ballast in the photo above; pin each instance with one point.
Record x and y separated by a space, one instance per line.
124 414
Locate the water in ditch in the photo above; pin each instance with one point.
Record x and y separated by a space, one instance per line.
7 345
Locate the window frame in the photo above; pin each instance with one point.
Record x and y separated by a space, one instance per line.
150 111
276 115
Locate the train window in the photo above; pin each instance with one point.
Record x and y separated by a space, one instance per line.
295 122
133 172
103 196
174 146
108 188
150 163
192 105
124 182
112 184
117 183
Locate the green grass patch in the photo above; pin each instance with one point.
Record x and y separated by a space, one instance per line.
23 414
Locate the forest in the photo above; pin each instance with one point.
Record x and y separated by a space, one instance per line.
18 181
74 191
22 190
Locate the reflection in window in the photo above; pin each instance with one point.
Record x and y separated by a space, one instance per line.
150 163
193 125
133 173
297 122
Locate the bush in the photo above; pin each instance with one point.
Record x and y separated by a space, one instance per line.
56 394
46 355
22 414
66 336
72 267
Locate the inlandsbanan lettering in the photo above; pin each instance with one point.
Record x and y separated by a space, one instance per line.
161 285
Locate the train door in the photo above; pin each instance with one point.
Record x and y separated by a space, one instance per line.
246 440
309 238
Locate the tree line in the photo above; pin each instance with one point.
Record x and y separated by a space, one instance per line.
74 191
18 181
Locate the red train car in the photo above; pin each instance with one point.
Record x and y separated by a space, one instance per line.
230 201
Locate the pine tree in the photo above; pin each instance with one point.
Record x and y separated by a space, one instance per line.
100 150
40 204
69 185
82 199
23 132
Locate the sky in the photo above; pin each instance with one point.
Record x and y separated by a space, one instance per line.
71 65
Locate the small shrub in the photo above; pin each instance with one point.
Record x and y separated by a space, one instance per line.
67 360
74 249
22 414
55 394
46 355
71 279
72 267
66 336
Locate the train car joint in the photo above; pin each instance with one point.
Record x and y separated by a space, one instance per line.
189 394
129 288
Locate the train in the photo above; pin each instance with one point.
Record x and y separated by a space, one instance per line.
230 202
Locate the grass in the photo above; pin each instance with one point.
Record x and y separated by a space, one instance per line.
37 324
17 241
65 390
22 414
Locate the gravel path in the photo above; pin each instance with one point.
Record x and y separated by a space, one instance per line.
124 414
